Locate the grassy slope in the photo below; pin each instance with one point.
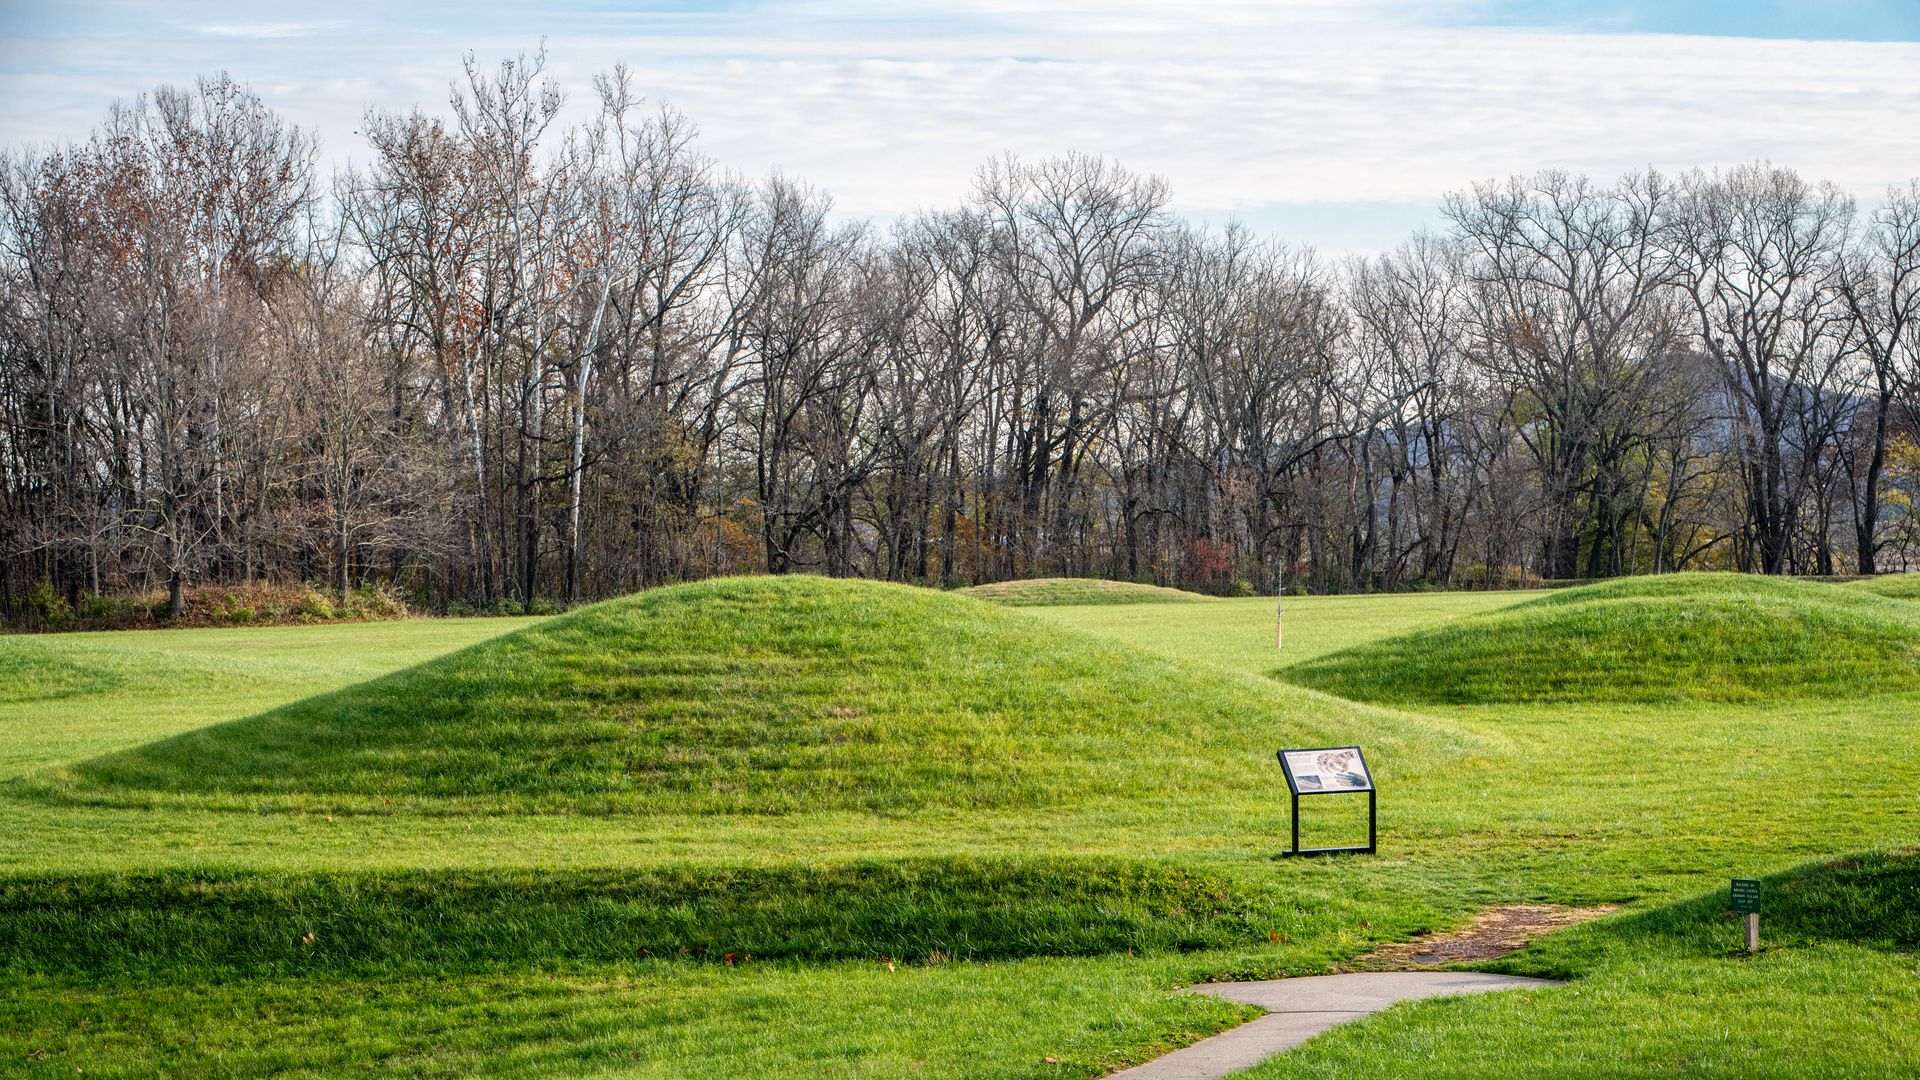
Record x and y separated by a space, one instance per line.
655 1019
1898 586
1670 990
417 921
1062 592
1698 637
1485 804
745 696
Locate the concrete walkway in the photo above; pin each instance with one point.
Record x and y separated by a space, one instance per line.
1299 1009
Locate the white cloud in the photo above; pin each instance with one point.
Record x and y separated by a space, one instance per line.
1242 106
270 30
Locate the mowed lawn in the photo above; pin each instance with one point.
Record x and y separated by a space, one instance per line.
131 687
140 940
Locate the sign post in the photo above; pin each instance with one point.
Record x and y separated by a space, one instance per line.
1746 901
1329 770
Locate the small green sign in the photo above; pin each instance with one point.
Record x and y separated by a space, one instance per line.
1746 896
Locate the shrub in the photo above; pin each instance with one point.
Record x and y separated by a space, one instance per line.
47 607
211 605
316 606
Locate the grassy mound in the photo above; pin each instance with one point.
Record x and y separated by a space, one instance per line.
1703 637
1898 586
1065 592
749 695
915 910
30 671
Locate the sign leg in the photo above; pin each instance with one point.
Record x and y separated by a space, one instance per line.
1753 931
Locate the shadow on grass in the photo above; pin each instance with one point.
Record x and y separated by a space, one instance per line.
1870 899
911 910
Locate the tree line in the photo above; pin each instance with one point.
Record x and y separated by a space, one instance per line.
514 357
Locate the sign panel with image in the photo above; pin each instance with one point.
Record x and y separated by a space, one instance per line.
1336 768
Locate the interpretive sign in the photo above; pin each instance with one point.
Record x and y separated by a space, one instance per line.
1328 770
1746 903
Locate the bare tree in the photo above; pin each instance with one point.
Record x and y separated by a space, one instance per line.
1571 321
1074 236
1410 318
1756 252
1880 284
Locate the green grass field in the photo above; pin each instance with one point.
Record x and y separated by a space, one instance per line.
1079 592
812 828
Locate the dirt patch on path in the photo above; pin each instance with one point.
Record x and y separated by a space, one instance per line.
1492 933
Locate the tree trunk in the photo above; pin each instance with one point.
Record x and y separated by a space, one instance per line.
1868 520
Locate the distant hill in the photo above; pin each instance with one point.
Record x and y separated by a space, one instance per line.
1063 592
1709 637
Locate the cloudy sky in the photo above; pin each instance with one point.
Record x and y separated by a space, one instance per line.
1333 123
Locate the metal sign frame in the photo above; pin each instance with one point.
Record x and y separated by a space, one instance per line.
1293 787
